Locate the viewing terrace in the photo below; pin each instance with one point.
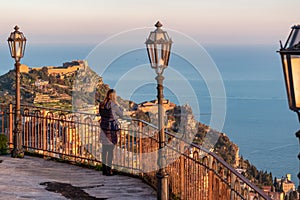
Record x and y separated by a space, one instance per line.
194 173
36 178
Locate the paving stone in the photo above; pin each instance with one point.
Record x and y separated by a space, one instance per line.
21 178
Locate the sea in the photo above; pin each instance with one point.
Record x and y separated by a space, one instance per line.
253 104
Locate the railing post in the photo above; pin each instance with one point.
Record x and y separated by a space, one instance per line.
210 179
10 122
140 147
182 178
44 130
232 181
3 117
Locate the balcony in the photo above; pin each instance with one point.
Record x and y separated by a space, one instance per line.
194 173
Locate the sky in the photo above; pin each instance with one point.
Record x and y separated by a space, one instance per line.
207 21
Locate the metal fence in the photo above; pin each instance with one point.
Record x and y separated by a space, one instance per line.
194 173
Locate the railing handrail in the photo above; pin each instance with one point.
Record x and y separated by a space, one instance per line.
52 109
220 160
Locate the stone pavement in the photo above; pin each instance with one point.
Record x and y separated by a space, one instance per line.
22 178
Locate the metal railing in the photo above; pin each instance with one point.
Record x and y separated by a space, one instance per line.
194 173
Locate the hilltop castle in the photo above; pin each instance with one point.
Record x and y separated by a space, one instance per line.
68 67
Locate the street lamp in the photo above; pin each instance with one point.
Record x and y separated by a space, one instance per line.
290 56
17 43
158 47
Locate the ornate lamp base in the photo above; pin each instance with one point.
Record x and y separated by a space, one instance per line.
17 152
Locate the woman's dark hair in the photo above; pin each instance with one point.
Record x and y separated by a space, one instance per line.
110 95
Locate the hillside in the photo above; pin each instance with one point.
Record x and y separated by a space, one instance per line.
49 86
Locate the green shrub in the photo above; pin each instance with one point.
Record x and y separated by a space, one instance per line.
3 144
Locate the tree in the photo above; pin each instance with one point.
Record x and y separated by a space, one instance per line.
281 186
142 116
276 185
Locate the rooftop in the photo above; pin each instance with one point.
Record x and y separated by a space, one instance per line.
28 178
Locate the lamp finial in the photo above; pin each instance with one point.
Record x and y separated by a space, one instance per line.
158 24
16 28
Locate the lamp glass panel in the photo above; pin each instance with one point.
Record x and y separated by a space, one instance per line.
152 36
286 70
159 35
23 47
168 53
11 48
156 54
160 56
18 53
166 36
163 54
150 49
295 38
295 62
18 36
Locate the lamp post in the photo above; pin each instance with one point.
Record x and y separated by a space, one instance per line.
290 57
158 47
17 43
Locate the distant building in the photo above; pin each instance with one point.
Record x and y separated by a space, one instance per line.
67 68
271 193
24 68
80 63
62 70
286 185
151 106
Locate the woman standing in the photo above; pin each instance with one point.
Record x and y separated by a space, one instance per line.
109 109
